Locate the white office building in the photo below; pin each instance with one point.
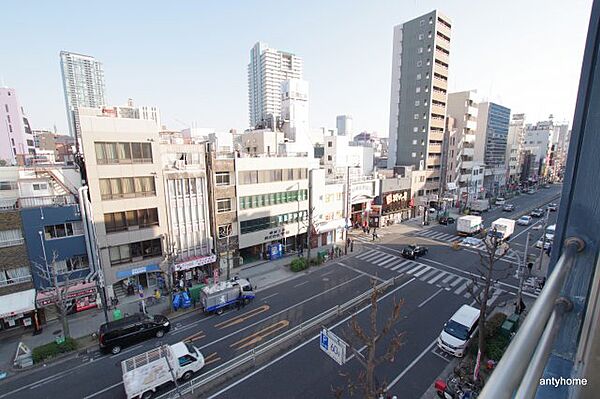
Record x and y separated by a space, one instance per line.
267 69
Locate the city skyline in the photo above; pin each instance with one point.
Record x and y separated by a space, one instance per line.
169 69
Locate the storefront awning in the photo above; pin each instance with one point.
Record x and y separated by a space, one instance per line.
17 303
330 226
137 270
74 291
199 261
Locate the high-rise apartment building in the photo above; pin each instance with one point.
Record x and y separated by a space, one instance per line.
267 69
16 137
463 108
83 84
419 87
490 144
514 146
344 125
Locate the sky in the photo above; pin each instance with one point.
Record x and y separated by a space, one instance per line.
190 58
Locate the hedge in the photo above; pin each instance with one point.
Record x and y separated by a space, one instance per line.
299 264
53 349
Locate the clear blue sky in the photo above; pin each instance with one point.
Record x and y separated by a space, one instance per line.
189 57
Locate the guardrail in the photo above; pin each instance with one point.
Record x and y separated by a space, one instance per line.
523 362
250 357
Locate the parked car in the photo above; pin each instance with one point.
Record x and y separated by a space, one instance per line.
524 221
552 207
471 242
547 243
117 334
508 208
500 201
458 331
414 251
537 213
446 220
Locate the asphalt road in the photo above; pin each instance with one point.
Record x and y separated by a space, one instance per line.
432 287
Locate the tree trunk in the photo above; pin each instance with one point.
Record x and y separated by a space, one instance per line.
65 323
371 370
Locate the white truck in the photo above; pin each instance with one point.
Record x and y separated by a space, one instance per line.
503 228
217 297
478 206
469 225
144 373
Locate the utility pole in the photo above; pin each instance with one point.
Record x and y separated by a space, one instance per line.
522 266
310 216
543 239
346 209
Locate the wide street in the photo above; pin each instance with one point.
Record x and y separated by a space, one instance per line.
432 288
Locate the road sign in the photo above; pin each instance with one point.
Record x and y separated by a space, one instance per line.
333 346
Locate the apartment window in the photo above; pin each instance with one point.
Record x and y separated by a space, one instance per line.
249 177
418 89
6 107
135 251
225 230
8 185
61 230
9 238
422 22
429 35
40 186
416 116
269 222
428 62
418 76
222 179
72 264
122 152
127 187
430 20
223 205
414 154
420 50
329 157
427 75
415 129
419 63
414 142
417 103
329 144
421 36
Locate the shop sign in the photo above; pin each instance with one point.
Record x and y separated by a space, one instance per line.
137 270
395 197
48 298
275 234
201 261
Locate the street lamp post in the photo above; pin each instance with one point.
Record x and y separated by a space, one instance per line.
543 238
522 273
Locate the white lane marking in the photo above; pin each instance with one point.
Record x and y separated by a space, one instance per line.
436 278
419 266
378 257
365 254
392 257
494 297
361 272
421 272
301 284
461 289
270 296
102 391
310 340
458 280
448 278
430 274
430 298
405 264
395 263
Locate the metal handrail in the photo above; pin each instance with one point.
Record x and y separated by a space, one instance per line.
534 336
240 360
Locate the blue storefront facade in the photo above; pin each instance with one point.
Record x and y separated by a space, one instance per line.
55 240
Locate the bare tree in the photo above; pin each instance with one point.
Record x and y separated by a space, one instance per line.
489 273
58 292
367 340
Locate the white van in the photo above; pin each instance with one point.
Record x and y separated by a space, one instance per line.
500 201
458 331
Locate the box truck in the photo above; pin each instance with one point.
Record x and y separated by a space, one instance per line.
469 225
503 228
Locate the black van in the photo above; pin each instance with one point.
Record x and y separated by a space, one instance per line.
115 335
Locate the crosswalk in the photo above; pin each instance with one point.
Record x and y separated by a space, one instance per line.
367 238
443 279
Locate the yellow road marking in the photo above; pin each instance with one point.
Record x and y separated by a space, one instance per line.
243 317
194 337
258 336
213 357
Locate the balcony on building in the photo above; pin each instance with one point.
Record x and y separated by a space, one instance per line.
441 55
438 95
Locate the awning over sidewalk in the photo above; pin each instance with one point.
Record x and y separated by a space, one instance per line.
74 291
329 226
17 303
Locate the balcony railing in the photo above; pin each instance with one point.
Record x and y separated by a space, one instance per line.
50 200
12 243
523 363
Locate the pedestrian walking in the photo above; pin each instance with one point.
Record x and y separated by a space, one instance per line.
351 245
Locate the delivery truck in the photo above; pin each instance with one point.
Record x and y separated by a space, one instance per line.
469 225
145 373
503 228
217 297
478 206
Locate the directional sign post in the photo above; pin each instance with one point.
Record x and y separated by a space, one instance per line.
333 346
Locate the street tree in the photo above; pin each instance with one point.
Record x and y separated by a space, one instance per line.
489 272
57 291
370 349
